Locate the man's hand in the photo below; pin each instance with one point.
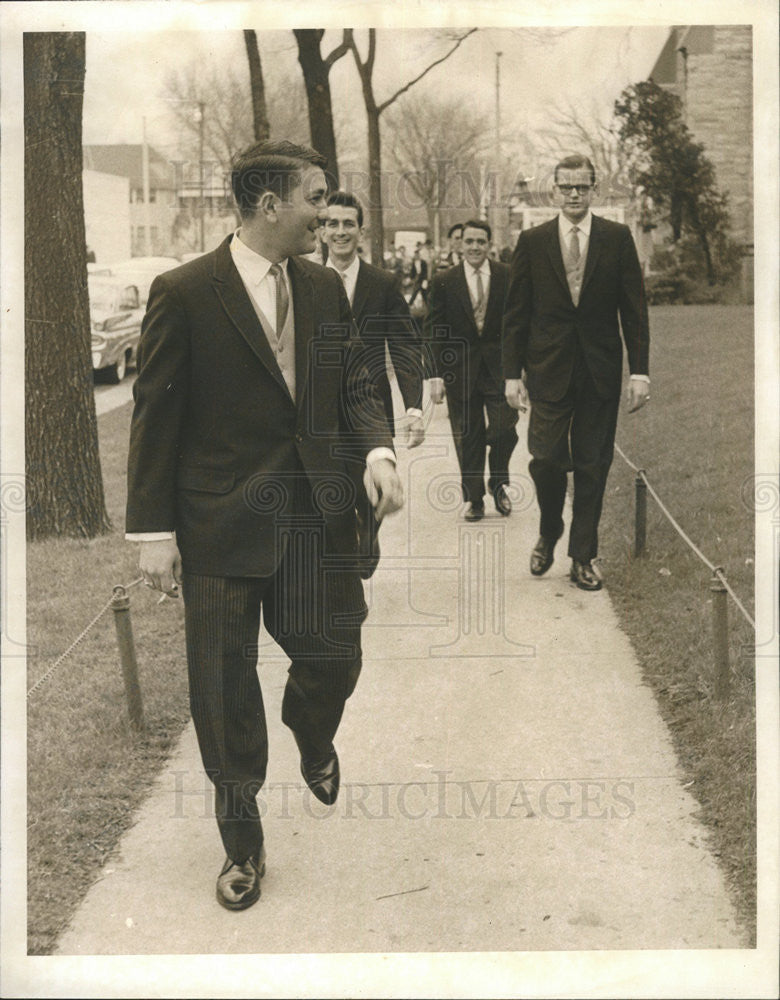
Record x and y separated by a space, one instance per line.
638 394
415 431
436 389
160 563
384 488
516 394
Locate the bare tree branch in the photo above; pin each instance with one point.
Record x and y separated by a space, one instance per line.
411 83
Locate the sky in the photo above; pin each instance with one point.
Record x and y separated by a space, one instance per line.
586 65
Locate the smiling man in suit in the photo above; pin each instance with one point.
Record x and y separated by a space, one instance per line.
570 281
386 327
464 339
251 393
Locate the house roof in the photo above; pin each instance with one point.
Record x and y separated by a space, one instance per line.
126 160
696 39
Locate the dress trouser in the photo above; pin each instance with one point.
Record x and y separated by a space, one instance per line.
474 437
314 611
574 433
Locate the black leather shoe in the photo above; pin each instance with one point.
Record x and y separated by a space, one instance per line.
502 501
542 555
584 575
238 885
320 771
368 544
475 511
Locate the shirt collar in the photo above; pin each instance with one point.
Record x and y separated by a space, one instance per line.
483 269
348 272
254 266
565 226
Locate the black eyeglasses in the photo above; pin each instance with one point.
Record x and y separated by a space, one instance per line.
579 188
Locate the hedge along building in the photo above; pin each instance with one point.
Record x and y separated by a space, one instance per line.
710 68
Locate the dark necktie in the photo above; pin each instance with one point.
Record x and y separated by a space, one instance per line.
282 298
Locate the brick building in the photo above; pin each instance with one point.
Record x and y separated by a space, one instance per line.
710 68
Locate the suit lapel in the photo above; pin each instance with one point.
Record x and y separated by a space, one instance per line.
495 299
594 249
553 242
462 291
239 309
361 294
303 312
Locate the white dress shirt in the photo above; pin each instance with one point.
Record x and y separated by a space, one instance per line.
349 275
471 280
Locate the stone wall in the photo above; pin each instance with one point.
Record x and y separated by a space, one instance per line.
719 113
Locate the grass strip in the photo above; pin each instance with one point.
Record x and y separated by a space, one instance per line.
695 442
87 770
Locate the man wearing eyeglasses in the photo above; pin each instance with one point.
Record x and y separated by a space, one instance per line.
571 280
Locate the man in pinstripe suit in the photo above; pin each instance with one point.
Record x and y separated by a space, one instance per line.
251 397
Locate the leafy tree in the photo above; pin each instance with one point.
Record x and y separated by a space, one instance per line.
64 483
672 169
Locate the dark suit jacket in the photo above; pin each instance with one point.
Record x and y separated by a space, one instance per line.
456 347
543 328
216 439
384 322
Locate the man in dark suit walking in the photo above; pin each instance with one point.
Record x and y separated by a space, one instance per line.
251 393
570 280
386 328
464 339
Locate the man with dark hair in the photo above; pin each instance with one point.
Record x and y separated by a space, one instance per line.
455 240
570 280
464 335
386 327
251 393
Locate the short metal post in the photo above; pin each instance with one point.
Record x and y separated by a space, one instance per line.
120 604
640 514
720 636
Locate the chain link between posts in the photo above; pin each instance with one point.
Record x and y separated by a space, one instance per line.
716 571
42 679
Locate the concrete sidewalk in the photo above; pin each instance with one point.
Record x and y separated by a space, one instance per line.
507 782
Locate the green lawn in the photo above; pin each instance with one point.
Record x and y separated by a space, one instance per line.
695 442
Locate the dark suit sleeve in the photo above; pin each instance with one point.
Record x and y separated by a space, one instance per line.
405 346
436 331
160 393
517 312
632 305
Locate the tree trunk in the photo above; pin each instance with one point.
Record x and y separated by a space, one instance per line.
316 72
64 482
257 85
375 211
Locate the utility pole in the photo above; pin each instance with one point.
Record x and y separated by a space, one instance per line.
201 198
145 182
498 234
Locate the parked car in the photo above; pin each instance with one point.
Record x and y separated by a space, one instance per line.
116 312
141 271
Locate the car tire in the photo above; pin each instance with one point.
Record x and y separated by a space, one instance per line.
116 372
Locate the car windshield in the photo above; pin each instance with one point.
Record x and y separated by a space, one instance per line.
106 295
